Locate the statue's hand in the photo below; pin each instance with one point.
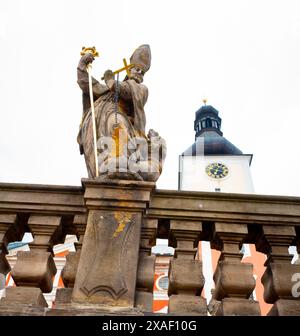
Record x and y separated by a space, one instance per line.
108 74
87 58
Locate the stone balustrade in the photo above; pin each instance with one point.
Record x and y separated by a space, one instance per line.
117 224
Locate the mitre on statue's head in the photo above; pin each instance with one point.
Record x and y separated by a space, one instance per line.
142 57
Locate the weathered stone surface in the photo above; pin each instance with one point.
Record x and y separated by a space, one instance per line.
144 301
43 228
34 269
40 197
68 273
259 209
117 194
185 277
285 308
233 279
63 298
26 296
95 310
185 235
80 224
187 305
238 307
9 231
148 235
108 264
278 281
145 274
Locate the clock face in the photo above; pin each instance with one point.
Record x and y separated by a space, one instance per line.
217 170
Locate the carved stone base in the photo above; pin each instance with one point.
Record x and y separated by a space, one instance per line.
144 301
23 296
238 307
285 308
107 268
187 305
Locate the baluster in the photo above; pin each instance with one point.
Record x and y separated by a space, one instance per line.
146 266
11 229
68 274
6 222
35 269
186 280
281 278
234 281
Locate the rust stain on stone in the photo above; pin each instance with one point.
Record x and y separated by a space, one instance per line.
123 219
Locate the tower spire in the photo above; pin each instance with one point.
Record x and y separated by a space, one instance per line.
207 120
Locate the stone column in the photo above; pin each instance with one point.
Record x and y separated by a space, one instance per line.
281 279
234 281
108 263
186 280
35 269
146 266
68 274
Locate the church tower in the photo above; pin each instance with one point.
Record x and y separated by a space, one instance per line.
213 163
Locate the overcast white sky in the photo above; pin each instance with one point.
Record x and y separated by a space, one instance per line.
244 56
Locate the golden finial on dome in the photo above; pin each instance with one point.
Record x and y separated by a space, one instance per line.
204 100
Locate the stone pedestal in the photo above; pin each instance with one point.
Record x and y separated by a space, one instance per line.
107 268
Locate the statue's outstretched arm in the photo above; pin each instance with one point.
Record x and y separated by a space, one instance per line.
83 77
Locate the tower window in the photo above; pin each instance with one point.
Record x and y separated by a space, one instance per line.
203 123
208 123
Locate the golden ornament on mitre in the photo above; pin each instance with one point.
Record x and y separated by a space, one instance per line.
142 57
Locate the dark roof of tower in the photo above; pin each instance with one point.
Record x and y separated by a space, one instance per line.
207 109
208 135
213 145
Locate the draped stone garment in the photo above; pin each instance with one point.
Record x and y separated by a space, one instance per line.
131 115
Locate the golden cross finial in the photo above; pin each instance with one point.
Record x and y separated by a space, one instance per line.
204 101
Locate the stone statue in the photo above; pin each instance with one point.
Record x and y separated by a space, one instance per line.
124 150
